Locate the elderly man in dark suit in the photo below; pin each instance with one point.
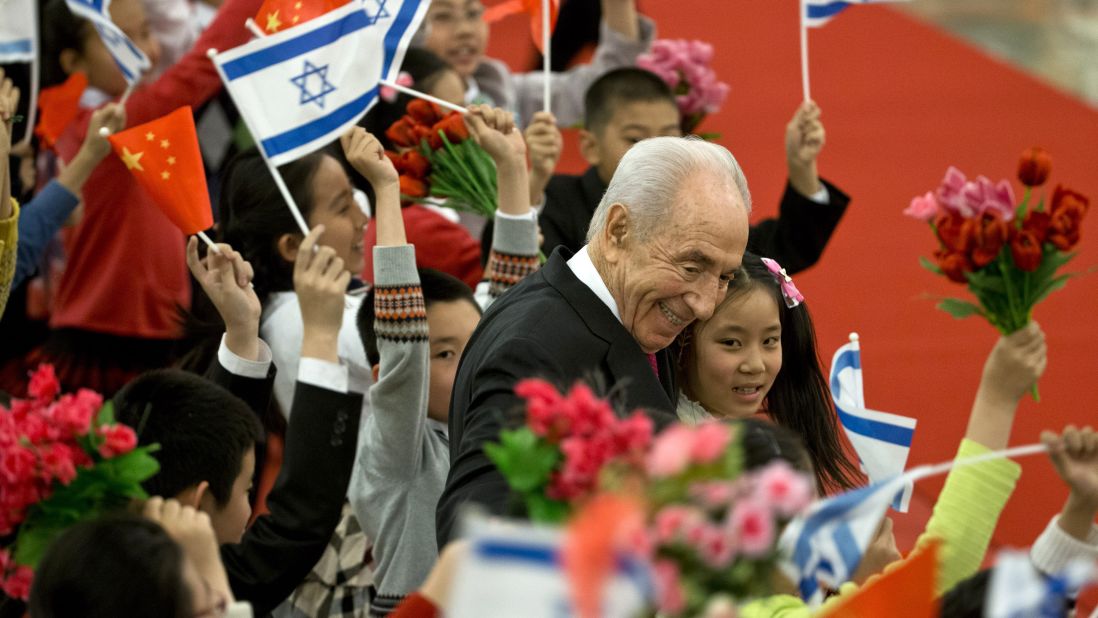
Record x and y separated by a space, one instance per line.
662 247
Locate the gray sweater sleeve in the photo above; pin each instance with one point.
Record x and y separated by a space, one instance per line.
514 255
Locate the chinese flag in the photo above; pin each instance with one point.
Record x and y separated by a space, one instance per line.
163 156
531 8
277 15
907 590
58 106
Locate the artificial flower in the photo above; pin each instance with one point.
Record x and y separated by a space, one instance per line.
923 208
1034 166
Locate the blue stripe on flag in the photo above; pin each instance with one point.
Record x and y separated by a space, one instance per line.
307 42
534 554
396 33
95 5
22 46
825 11
877 430
298 136
848 548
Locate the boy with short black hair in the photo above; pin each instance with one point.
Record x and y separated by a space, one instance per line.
628 105
414 333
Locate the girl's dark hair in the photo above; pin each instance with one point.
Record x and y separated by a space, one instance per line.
59 30
118 565
763 442
800 399
253 216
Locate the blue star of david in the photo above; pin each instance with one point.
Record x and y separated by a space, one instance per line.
381 12
302 82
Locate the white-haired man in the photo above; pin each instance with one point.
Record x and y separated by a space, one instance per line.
662 247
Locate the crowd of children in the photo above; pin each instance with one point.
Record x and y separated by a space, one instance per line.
298 386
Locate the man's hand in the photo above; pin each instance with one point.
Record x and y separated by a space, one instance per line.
367 156
194 533
320 281
1074 454
544 143
227 280
494 130
804 139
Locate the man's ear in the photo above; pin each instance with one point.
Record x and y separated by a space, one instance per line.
287 246
192 496
589 147
615 235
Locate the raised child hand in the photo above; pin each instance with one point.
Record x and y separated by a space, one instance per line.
1015 363
804 139
544 143
1074 454
494 130
194 533
320 280
111 116
9 102
226 278
367 156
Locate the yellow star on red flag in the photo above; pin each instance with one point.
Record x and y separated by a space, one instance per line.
181 192
276 14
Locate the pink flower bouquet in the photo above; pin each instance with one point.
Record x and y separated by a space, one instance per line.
684 66
61 461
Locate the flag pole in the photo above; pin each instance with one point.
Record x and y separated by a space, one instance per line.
422 95
804 51
281 184
254 28
32 109
546 55
856 341
126 95
206 239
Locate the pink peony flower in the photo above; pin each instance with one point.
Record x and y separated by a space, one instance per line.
672 522
670 595
117 440
17 465
17 584
714 494
752 523
44 385
785 489
949 193
710 442
671 451
923 207
717 547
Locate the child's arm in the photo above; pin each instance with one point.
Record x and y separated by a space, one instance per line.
515 237
9 211
1071 535
392 444
804 139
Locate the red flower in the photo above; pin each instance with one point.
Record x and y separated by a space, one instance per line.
1062 197
1036 223
117 440
43 383
543 408
988 234
1066 218
424 112
453 125
73 414
17 465
949 228
1034 167
394 158
414 164
954 265
58 462
412 187
1025 248
17 583
403 133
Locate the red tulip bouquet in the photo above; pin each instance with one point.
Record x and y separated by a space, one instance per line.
709 530
1008 254
439 160
62 460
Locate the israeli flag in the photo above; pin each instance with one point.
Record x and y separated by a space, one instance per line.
301 88
18 31
515 569
881 440
826 544
129 58
819 12
1018 590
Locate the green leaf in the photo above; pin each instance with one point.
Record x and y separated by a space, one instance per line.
986 280
524 459
931 266
958 308
106 415
1051 287
545 510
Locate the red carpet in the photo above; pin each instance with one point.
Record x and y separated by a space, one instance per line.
902 101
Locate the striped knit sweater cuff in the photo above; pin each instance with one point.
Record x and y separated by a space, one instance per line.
514 253
399 311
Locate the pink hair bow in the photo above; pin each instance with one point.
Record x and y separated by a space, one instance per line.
793 296
389 94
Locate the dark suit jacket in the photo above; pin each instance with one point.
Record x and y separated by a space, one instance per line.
551 326
796 238
306 502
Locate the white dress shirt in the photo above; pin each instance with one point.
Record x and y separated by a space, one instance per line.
584 270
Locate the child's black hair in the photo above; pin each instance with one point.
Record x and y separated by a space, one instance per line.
620 87
438 287
203 430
